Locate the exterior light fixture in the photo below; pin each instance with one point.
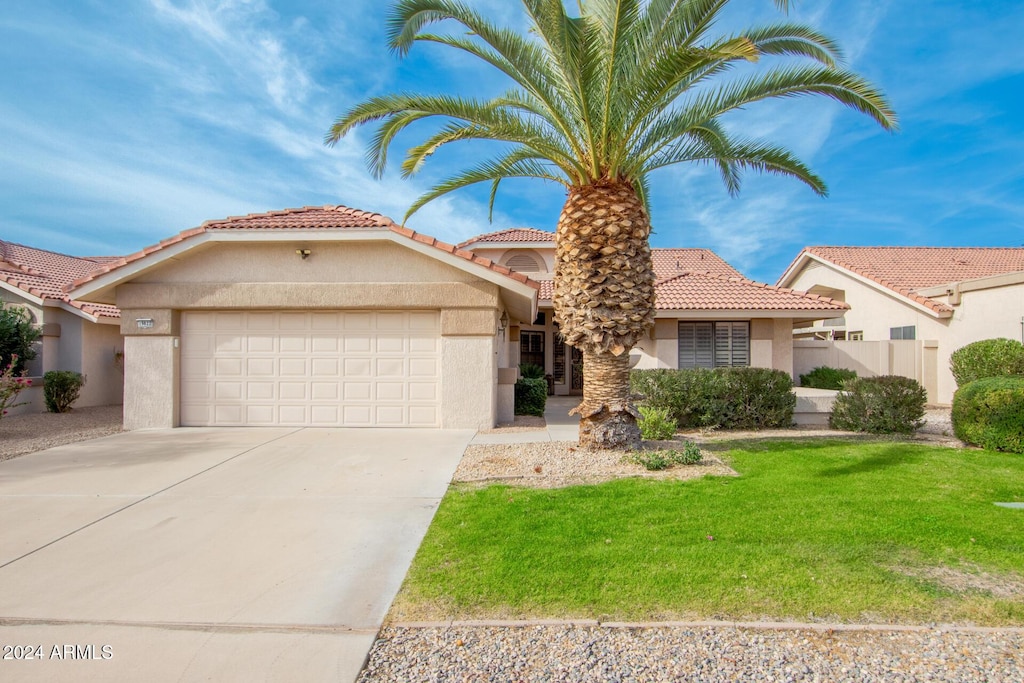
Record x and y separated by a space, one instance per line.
303 253
503 321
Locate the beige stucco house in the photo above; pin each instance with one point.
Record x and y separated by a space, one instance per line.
321 316
330 316
77 336
708 314
940 297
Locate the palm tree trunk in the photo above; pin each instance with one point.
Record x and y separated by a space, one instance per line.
604 302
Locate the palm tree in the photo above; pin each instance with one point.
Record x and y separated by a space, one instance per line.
598 102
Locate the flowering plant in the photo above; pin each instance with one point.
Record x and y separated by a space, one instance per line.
11 385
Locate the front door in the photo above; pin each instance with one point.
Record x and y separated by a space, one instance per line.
576 388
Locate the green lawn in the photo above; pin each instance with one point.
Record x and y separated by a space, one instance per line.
813 530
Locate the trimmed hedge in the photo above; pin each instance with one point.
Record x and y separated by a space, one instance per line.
987 358
824 377
727 398
989 412
61 389
531 396
880 405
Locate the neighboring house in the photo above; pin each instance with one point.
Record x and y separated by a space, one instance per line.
77 336
708 314
944 297
320 316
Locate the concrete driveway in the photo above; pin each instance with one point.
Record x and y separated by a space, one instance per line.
212 554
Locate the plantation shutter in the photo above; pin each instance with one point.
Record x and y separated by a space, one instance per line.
712 345
696 345
732 344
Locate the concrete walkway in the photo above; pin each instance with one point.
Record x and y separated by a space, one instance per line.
212 554
560 425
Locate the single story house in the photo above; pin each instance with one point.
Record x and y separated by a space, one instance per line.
331 316
942 297
319 316
76 335
708 314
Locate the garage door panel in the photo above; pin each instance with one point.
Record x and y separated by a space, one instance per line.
292 367
260 415
260 391
293 391
390 344
320 369
390 391
228 414
325 416
228 390
293 344
228 367
423 416
261 344
356 416
326 367
292 415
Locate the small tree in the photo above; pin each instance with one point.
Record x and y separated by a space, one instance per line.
17 336
11 384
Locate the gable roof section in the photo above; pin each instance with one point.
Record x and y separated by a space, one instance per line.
697 291
907 270
310 222
44 275
509 235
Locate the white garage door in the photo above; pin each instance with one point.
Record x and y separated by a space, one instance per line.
325 369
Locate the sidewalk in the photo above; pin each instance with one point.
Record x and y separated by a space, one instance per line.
560 425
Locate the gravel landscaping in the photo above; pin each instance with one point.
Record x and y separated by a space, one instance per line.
22 434
595 654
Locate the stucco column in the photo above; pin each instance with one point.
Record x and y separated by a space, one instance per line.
469 368
152 368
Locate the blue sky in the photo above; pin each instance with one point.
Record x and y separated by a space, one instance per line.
123 122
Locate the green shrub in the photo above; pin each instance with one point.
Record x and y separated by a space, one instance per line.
17 337
989 412
729 398
824 377
880 405
987 358
61 389
531 396
656 424
531 371
689 454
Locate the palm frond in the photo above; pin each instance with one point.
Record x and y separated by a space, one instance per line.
517 164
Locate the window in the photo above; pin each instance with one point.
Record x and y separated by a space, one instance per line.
531 347
906 332
856 336
714 345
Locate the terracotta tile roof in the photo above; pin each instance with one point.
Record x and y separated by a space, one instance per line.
328 217
703 291
699 291
512 235
671 262
905 270
45 274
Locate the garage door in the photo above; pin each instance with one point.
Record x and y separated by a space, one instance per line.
350 369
